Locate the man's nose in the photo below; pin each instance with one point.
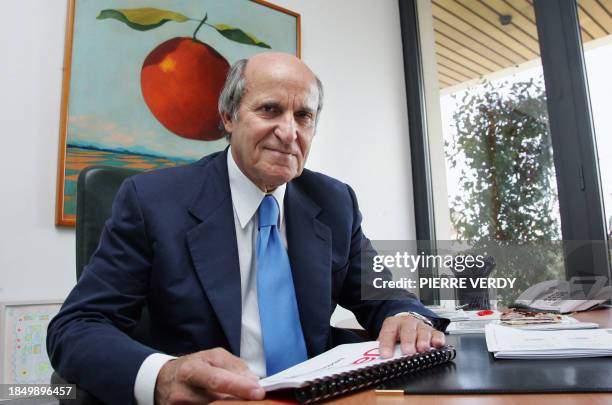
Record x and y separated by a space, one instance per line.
286 129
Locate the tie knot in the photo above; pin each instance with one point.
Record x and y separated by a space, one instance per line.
268 211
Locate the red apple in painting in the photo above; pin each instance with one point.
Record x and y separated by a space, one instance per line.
181 81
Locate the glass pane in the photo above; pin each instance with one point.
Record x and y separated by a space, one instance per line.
500 172
596 29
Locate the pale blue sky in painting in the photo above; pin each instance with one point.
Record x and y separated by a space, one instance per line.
106 108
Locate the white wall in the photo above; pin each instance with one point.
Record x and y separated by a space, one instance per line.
353 45
36 258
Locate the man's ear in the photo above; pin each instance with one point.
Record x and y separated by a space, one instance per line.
227 122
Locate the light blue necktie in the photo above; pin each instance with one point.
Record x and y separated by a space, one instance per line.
281 330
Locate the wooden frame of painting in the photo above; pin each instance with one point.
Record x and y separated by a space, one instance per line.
141 84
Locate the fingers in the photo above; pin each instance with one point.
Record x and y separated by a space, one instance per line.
423 337
221 372
410 334
221 358
437 339
221 381
205 376
186 394
413 334
408 337
388 336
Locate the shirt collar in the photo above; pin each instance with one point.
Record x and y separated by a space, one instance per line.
246 196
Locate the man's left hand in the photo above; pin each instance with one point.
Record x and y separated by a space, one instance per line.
413 334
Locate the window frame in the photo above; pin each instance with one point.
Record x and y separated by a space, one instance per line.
419 142
573 137
569 110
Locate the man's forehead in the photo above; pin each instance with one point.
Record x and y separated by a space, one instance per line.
282 85
278 92
276 77
280 78
278 68
272 88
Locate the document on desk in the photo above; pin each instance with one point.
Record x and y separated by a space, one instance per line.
567 322
341 359
349 367
466 327
509 343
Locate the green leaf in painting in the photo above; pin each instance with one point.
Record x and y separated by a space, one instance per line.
236 34
142 19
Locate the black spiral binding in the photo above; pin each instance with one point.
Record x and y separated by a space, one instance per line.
338 384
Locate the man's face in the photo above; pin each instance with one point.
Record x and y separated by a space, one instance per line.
276 121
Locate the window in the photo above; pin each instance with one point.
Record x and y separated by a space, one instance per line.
505 144
596 30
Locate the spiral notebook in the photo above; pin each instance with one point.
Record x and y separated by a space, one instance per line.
350 367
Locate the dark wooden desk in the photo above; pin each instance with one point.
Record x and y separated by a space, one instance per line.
601 316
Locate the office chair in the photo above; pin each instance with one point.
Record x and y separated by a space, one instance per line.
96 190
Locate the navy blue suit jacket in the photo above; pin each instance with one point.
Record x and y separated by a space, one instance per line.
171 243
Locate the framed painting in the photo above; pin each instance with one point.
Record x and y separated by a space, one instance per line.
142 80
23 333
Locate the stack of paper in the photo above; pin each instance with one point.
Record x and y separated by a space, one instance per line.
475 322
471 322
465 327
510 343
565 322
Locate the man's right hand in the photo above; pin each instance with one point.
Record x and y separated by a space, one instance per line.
204 377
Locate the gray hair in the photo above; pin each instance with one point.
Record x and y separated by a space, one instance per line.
234 88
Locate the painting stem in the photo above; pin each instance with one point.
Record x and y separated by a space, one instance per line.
199 26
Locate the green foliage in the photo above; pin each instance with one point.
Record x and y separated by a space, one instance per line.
142 19
148 18
502 148
502 151
240 36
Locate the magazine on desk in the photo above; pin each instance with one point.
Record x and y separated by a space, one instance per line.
350 367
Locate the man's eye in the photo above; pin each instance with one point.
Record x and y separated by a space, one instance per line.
304 116
268 109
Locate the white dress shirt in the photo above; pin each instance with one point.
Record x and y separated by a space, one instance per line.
246 198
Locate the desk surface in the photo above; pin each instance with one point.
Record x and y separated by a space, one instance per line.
601 316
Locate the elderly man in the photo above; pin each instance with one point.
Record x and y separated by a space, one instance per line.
241 257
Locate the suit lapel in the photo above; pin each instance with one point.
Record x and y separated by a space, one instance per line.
214 250
309 242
